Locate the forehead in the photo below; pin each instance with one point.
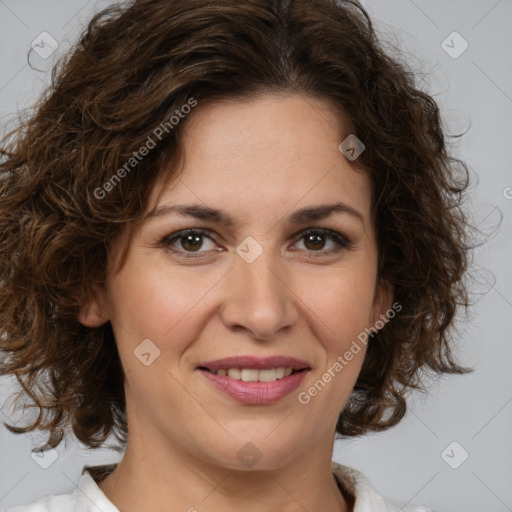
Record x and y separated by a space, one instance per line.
275 151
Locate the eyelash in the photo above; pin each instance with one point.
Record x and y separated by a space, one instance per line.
341 241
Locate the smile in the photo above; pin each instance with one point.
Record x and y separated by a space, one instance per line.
253 375
255 381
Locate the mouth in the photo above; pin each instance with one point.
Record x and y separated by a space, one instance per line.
252 380
253 374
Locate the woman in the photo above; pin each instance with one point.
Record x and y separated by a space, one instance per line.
231 231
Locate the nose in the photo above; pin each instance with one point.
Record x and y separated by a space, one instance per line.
259 297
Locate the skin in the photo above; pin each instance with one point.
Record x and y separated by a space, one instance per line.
259 160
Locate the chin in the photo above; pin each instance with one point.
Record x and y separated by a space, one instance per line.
257 455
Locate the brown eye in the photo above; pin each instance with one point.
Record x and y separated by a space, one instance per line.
190 240
315 241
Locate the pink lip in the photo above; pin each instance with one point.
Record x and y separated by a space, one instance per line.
257 363
256 393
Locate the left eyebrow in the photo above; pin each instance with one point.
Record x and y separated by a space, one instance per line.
301 216
322 212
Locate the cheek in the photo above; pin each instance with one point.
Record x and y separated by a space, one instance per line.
156 300
153 300
340 315
342 302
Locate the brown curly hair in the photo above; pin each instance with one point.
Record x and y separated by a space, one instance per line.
132 69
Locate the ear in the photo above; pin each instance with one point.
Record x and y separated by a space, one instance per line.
94 313
382 302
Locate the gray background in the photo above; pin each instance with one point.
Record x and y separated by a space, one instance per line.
474 91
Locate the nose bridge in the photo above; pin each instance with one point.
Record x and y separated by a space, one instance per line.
260 276
258 297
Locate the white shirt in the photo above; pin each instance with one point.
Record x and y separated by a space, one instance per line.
88 497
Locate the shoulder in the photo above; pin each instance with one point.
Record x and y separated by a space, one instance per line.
366 498
86 497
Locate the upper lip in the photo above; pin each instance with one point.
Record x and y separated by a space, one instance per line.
257 363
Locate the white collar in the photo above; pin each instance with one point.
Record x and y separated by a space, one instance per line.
366 498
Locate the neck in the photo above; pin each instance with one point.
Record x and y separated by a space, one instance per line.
179 482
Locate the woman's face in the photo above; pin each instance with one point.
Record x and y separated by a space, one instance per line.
252 289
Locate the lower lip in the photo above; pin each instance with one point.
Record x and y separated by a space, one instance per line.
256 393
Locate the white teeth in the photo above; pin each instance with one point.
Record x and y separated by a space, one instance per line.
234 373
249 375
267 375
253 375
